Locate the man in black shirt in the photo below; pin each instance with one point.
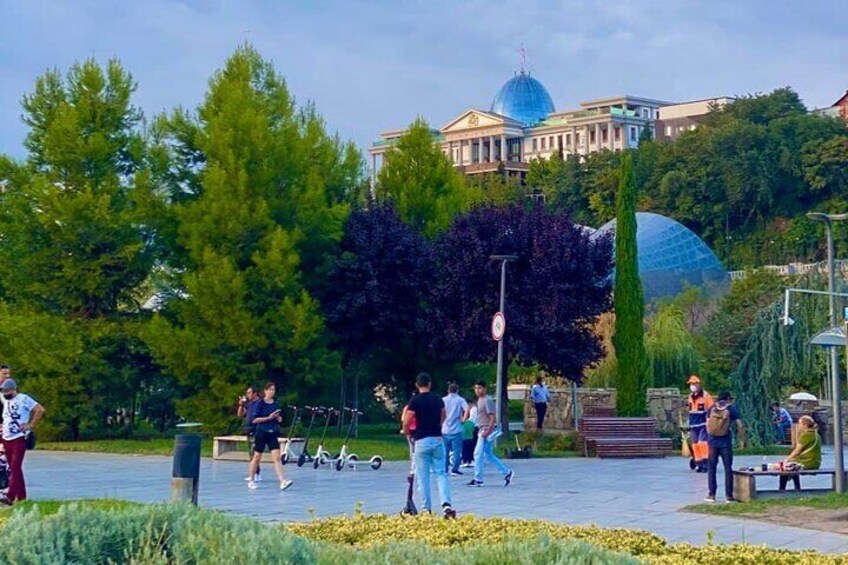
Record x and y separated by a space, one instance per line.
428 411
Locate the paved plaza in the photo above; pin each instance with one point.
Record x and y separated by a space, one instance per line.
635 494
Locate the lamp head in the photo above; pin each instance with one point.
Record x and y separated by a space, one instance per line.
787 321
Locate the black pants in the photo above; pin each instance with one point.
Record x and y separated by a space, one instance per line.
796 480
541 410
726 454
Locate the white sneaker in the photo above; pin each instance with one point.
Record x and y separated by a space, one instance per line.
247 479
285 484
252 485
257 478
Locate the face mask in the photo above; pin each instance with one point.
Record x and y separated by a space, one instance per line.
8 396
693 388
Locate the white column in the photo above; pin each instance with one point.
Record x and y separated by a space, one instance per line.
611 134
491 148
572 148
585 140
503 148
460 153
374 176
625 132
597 137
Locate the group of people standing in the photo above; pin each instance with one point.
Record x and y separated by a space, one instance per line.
710 424
21 414
434 427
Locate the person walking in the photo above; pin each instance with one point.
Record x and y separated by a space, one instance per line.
21 413
700 403
541 396
806 454
428 410
456 411
469 437
720 418
486 422
245 407
267 417
782 420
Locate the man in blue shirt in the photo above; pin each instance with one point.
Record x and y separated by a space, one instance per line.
540 396
720 440
456 412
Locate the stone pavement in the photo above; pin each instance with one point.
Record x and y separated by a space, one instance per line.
635 494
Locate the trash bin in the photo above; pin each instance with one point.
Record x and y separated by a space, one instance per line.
185 476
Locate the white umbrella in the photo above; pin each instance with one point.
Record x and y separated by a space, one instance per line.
802 396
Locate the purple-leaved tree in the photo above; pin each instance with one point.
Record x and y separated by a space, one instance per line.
555 291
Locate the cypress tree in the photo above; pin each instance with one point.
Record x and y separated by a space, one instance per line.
629 302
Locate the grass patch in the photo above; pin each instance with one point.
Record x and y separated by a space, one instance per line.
830 501
374 439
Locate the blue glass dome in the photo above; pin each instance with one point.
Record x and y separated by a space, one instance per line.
524 99
671 257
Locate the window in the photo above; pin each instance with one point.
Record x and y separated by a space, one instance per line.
633 133
592 136
577 138
535 144
646 113
544 143
551 142
568 140
618 134
605 135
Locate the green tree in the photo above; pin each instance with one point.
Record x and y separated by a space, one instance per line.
629 301
427 191
669 348
77 240
266 213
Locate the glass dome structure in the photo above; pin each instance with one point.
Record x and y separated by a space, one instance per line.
671 257
524 99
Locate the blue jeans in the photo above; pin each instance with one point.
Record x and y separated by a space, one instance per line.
486 450
453 444
430 456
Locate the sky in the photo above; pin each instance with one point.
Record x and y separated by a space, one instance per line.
374 66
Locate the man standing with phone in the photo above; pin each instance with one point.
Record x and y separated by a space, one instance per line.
267 417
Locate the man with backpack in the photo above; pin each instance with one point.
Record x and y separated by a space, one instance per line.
720 439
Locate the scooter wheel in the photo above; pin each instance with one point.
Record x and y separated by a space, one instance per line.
376 462
284 459
301 459
316 462
339 464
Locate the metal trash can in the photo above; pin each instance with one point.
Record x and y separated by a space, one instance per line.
185 476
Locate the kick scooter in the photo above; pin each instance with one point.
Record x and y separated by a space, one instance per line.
304 453
322 455
288 454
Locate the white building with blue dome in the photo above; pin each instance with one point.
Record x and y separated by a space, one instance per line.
522 123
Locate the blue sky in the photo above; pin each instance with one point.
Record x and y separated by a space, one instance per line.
373 66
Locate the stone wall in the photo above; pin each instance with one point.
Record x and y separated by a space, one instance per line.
669 407
559 416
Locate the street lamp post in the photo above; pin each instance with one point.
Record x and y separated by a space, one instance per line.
836 379
504 259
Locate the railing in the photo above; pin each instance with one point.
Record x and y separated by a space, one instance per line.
795 269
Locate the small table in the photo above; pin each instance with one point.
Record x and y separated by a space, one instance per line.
745 483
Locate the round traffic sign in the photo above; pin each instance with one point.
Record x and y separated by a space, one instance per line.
498 326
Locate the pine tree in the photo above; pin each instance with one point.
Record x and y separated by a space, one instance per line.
260 225
629 302
426 189
76 246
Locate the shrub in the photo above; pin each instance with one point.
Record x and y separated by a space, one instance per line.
171 533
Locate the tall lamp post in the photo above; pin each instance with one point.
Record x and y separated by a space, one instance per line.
836 379
504 259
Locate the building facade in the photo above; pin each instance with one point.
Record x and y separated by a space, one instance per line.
838 109
523 124
675 119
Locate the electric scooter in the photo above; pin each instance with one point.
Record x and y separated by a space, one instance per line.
322 455
304 454
288 454
351 458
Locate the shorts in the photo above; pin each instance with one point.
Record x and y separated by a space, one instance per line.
265 439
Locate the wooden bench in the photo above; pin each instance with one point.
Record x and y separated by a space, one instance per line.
745 483
622 437
234 448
